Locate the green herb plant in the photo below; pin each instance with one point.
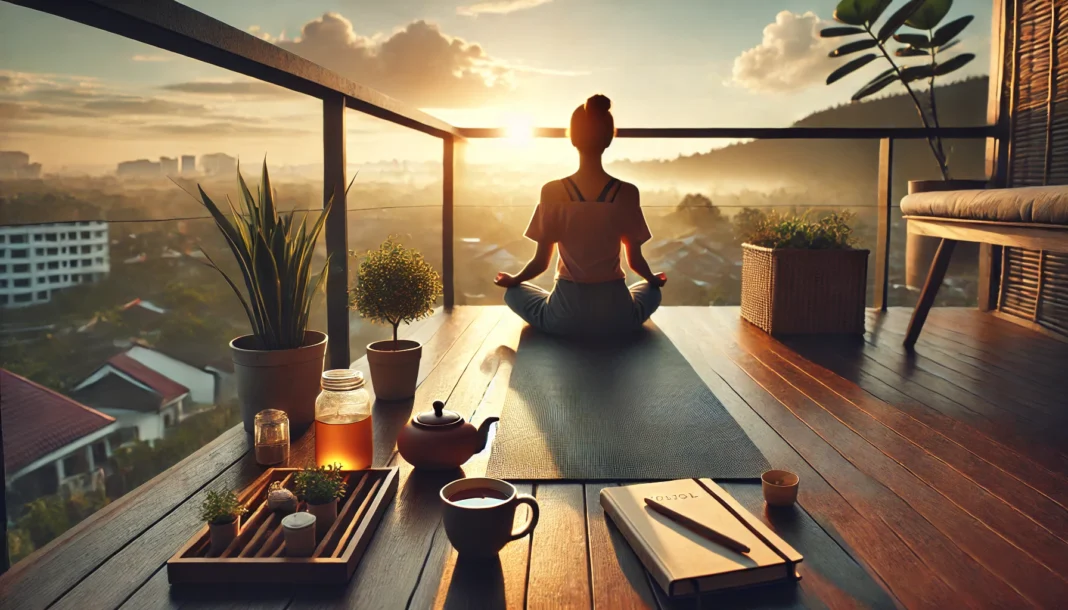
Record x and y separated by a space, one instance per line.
220 508
923 16
395 284
275 260
779 231
320 485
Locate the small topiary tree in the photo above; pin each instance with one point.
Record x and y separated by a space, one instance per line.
395 284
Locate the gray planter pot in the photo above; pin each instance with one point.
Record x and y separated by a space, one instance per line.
287 380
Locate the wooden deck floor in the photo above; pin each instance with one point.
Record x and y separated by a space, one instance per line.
936 479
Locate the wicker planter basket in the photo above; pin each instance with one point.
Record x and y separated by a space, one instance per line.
804 291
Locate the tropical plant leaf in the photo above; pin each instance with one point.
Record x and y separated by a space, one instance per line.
876 85
950 30
911 52
896 20
949 45
874 9
954 63
850 12
853 47
850 67
912 73
833 32
916 41
930 13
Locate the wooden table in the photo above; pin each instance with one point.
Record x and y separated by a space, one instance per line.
880 524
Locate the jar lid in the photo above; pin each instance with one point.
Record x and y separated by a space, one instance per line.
298 521
271 416
342 380
438 418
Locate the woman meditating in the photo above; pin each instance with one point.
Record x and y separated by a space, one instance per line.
589 215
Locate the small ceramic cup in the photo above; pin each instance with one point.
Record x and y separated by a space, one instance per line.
479 513
299 532
779 487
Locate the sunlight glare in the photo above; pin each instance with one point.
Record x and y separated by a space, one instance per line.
520 130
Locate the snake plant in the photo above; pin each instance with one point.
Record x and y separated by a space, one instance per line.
275 261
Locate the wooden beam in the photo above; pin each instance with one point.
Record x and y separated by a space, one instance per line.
337 240
1019 235
989 273
448 201
763 133
882 248
175 27
999 85
930 290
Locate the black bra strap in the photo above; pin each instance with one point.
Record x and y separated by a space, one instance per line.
606 189
574 186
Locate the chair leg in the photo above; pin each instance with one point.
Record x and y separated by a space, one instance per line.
930 288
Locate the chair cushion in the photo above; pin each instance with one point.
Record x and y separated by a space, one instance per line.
1032 204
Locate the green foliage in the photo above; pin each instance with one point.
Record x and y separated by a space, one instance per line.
45 518
745 223
395 284
320 485
221 507
274 258
925 15
779 231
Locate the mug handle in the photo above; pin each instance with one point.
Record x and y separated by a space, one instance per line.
533 522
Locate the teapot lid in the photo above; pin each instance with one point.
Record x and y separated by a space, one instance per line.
439 418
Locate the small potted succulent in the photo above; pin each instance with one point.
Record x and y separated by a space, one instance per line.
394 285
222 512
801 276
321 488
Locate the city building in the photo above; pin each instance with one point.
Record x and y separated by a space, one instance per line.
189 164
168 166
59 440
215 164
16 165
141 168
37 260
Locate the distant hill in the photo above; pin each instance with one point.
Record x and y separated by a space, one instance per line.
845 169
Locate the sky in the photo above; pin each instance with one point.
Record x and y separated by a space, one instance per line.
73 96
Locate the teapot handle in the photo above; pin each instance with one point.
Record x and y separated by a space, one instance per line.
533 522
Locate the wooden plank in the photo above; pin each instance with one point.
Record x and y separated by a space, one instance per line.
448 204
559 574
930 290
763 133
1008 573
1032 237
993 329
881 552
336 231
47 574
882 247
617 578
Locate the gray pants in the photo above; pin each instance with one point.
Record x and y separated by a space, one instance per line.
584 309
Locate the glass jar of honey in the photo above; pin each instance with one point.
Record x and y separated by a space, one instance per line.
343 421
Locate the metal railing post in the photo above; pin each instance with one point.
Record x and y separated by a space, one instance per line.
882 247
448 198
337 242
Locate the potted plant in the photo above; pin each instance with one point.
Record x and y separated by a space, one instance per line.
395 284
927 44
278 365
803 277
222 512
321 488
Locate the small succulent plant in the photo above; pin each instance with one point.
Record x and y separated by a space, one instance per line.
220 508
320 485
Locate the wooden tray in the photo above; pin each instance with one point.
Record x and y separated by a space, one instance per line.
258 553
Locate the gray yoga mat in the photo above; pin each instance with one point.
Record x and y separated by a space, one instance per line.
626 409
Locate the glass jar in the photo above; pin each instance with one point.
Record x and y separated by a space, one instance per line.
343 421
272 437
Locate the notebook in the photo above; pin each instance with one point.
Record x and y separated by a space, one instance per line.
683 562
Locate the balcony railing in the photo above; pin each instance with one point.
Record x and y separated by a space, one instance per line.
174 27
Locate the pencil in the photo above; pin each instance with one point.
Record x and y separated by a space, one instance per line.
696 527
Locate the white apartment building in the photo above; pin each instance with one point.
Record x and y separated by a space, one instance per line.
37 260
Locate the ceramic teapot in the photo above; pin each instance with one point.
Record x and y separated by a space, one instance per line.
441 439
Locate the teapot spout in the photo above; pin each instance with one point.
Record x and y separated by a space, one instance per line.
483 433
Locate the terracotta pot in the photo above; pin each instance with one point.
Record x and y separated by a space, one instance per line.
287 380
920 249
394 368
325 515
222 535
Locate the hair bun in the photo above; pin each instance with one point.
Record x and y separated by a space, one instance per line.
599 104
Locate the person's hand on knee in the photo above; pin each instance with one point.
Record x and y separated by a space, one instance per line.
506 280
658 279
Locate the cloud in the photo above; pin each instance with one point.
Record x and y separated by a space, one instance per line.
151 58
791 57
498 7
418 64
242 88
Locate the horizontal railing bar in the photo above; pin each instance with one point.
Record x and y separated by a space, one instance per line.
174 27
757 133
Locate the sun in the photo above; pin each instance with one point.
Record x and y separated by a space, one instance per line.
519 129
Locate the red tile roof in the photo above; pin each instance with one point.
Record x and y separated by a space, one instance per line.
160 384
38 421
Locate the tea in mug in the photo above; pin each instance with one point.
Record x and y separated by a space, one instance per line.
479 497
